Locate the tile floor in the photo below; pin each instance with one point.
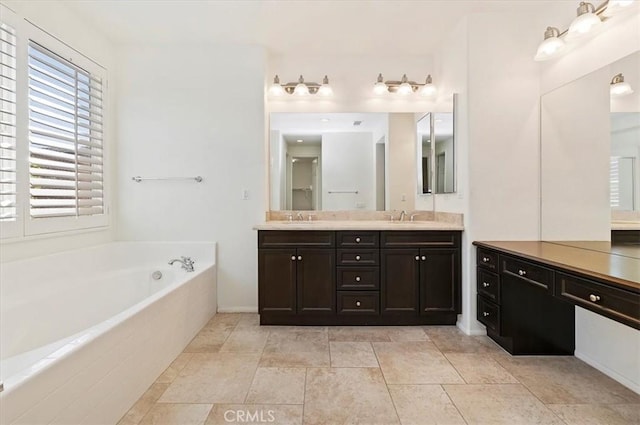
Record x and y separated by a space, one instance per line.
235 371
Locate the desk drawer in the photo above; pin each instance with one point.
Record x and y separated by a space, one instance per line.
531 273
419 239
489 314
292 238
487 259
358 302
489 285
358 278
618 304
358 257
354 239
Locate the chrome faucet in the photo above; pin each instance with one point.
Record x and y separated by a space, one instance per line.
402 214
299 216
187 263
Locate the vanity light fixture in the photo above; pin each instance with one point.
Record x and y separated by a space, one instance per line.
405 86
619 87
589 17
300 87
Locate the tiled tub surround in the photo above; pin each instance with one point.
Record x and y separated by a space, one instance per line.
234 370
84 332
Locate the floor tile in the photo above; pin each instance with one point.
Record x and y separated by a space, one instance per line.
296 359
452 339
406 333
630 412
273 385
497 404
593 414
347 396
414 363
226 319
424 405
225 414
566 380
174 368
480 369
352 354
172 414
249 321
213 378
243 340
209 340
143 405
359 333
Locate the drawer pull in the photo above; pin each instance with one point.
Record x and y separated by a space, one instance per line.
424 258
293 258
522 272
417 258
357 258
594 298
357 278
299 257
357 303
485 285
358 240
486 259
485 314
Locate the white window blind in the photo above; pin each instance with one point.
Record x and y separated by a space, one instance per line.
8 208
614 182
65 137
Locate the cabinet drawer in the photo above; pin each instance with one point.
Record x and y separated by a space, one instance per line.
290 238
618 304
489 285
487 259
358 302
352 257
423 239
358 278
489 314
357 239
531 273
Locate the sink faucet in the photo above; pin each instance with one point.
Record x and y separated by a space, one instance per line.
402 214
299 216
187 263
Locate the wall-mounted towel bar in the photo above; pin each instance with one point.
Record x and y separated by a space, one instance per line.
138 179
343 191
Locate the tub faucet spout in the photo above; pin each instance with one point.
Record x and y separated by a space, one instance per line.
187 263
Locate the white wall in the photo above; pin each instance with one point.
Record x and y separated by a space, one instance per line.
64 24
179 116
348 157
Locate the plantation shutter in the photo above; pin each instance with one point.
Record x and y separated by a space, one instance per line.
65 137
8 209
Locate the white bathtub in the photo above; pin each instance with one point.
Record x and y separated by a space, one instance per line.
83 333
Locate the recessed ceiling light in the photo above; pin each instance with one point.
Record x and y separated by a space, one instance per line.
324 119
299 140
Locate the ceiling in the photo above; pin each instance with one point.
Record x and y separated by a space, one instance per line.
284 27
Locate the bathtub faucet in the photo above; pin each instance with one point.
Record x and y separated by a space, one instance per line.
187 263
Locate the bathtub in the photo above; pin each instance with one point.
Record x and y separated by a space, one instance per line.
83 333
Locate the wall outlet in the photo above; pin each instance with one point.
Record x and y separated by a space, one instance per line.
403 198
245 194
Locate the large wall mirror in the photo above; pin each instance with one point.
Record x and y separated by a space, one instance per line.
590 154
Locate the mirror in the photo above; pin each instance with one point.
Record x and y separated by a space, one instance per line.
329 161
590 155
436 151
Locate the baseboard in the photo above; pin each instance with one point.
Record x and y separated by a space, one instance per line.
470 331
237 309
633 386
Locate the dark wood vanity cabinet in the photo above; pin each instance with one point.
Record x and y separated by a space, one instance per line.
359 277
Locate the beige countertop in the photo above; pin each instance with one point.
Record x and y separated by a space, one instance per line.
357 225
625 225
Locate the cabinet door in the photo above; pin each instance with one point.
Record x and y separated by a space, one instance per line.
439 280
316 281
277 280
400 276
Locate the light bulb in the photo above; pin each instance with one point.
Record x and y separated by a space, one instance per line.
276 89
325 89
428 90
301 88
586 21
551 46
380 87
619 87
405 88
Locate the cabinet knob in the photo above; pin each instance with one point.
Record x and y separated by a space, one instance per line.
417 258
485 314
594 298
357 258
299 257
293 258
423 258
485 285
522 272
358 240
485 259
357 278
357 303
